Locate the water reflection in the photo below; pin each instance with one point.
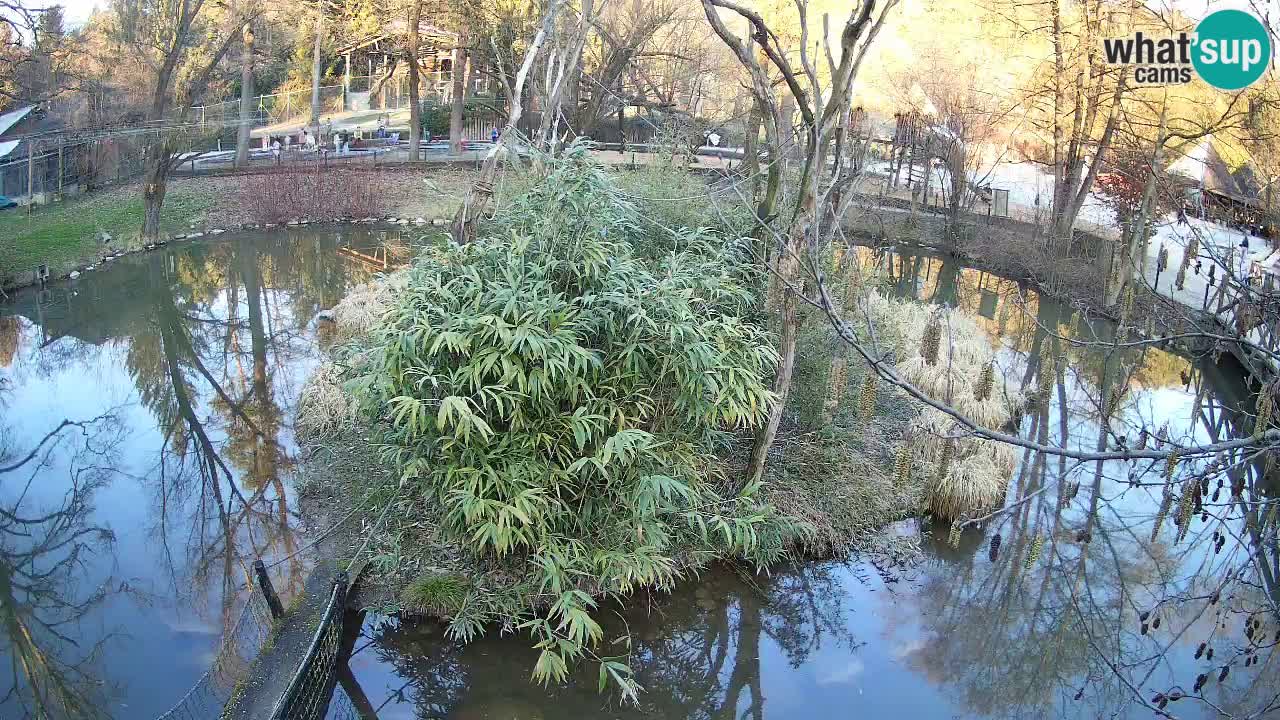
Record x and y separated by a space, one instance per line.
53 670
1095 601
196 354
704 651
1081 601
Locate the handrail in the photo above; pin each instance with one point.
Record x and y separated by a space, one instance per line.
307 695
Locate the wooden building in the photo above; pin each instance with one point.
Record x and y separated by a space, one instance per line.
1211 191
375 76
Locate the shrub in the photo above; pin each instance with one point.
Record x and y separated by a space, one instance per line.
563 399
674 197
292 193
434 117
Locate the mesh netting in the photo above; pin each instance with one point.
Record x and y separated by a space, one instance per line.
308 694
230 666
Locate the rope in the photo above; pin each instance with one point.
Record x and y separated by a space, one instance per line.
319 537
369 535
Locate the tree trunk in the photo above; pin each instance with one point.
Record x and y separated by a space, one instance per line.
458 104
1137 241
750 148
415 107
573 95
788 336
153 192
1059 171
788 273
315 73
246 98
787 128
477 198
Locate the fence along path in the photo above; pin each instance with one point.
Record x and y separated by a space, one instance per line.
293 676
236 653
298 640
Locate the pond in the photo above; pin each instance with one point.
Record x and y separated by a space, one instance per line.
126 539
1043 625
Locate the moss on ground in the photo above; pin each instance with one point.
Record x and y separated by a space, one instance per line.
435 593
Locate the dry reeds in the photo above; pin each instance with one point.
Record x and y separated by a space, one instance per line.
364 307
950 360
324 407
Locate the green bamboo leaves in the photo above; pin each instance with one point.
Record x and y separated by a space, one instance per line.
561 398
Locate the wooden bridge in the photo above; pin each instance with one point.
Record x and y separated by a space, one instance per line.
1246 313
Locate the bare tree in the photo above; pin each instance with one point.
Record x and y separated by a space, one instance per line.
562 65
183 43
804 224
33 53
960 120
477 198
246 97
627 32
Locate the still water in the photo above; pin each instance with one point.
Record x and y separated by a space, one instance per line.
126 539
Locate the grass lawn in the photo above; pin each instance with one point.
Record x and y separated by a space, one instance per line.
65 234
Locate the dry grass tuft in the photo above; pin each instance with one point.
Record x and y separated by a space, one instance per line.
324 407
972 485
10 334
975 475
364 307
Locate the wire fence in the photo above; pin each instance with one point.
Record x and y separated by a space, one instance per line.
50 168
271 109
236 653
309 692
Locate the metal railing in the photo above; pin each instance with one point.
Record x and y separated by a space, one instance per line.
309 692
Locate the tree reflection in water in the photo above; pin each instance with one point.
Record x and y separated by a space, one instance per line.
52 664
697 652
1090 607
219 371
205 346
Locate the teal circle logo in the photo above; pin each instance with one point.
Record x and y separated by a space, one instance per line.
1233 49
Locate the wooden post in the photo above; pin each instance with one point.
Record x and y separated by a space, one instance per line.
268 591
31 175
60 166
622 131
